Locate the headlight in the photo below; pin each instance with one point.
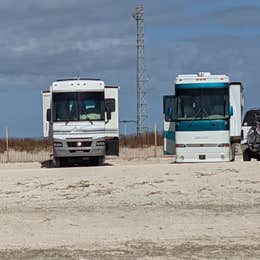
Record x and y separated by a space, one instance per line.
57 144
100 143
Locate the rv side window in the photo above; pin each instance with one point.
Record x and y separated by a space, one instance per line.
169 108
110 104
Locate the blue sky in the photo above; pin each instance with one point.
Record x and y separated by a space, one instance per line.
45 40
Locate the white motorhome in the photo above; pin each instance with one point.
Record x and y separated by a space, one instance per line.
80 116
202 121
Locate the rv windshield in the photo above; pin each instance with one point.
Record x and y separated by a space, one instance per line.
78 106
197 104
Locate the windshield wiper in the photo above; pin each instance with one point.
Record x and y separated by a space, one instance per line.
88 119
199 114
85 119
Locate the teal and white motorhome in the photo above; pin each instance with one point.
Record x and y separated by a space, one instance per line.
202 121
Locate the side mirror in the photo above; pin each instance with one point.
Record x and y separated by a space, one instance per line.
48 114
169 113
110 103
169 107
231 111
110 106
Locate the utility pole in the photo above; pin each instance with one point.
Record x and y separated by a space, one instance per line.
7 144
141 74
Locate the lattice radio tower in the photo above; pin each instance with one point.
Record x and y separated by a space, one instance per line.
141 74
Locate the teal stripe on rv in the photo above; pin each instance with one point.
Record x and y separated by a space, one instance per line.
169 135
167 153
202 125
201 85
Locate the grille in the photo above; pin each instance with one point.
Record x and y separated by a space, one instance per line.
201 145
83 144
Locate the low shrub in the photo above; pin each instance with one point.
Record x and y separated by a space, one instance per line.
26 144
140 141
42 144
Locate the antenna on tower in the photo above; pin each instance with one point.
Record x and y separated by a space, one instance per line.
141 75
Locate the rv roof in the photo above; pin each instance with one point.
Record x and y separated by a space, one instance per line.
80 84
201 76
69 79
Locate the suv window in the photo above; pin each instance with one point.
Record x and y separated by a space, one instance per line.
250 117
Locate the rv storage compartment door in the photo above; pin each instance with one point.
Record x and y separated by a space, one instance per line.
112 125
236 101
112 146
46 104
169 146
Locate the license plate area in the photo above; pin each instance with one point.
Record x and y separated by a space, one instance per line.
202 157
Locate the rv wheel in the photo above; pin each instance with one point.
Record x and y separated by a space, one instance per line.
233 152
57 162
99 160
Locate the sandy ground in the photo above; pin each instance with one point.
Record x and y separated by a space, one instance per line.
149 209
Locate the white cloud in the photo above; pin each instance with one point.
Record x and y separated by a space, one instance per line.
45 40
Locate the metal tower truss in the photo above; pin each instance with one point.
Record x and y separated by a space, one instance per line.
141 74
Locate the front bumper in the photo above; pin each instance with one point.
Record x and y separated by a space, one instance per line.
253 149
217 154
78 147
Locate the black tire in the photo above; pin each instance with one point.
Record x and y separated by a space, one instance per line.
98 161
246 156
233 152
58 162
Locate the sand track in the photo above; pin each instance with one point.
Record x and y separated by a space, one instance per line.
131 210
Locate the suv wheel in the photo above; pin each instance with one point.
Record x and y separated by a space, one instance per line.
246 156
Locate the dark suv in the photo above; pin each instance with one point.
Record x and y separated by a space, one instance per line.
250 135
